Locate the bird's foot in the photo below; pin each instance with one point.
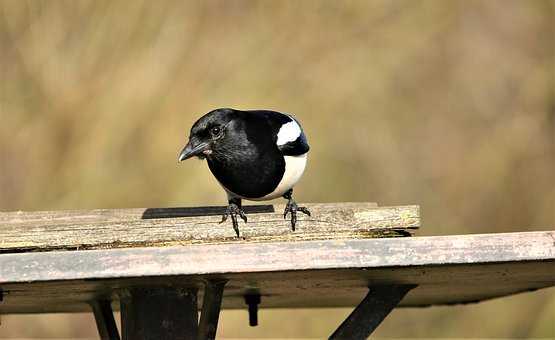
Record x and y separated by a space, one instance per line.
233 210
292 208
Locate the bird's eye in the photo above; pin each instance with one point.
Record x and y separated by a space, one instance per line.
215 131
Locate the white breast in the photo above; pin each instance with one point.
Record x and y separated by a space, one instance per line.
294 168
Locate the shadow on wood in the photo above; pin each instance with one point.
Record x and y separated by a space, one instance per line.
45 231
151 213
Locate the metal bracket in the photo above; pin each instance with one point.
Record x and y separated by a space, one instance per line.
371 311
211 305
171 313
104 317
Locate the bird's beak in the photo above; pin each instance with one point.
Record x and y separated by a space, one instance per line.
192 149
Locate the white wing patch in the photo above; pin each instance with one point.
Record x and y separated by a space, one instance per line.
288 132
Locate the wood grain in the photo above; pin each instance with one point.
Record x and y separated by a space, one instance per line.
326 273
106 229
61 261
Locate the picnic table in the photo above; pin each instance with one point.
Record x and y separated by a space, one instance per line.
160 266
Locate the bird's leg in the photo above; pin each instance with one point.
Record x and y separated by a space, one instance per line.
292 208
234 209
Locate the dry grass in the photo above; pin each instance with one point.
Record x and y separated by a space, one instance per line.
447 104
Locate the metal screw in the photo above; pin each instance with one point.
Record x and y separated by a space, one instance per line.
253 300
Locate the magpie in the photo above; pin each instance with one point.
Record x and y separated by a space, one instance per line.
255 155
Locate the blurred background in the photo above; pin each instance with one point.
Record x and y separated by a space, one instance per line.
446 104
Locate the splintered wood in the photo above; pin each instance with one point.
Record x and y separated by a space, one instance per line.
102 229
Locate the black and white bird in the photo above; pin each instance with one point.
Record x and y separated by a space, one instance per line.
255 155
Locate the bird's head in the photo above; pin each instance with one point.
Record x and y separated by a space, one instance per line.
209 134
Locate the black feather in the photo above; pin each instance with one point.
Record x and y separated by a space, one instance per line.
246 159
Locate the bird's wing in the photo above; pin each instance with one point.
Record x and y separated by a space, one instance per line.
286 132
291 139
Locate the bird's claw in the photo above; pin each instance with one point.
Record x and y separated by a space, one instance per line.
233 210
304 210
293 208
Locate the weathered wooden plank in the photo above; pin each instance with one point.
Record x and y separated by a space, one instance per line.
276 256
447 270
326 288
101 229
